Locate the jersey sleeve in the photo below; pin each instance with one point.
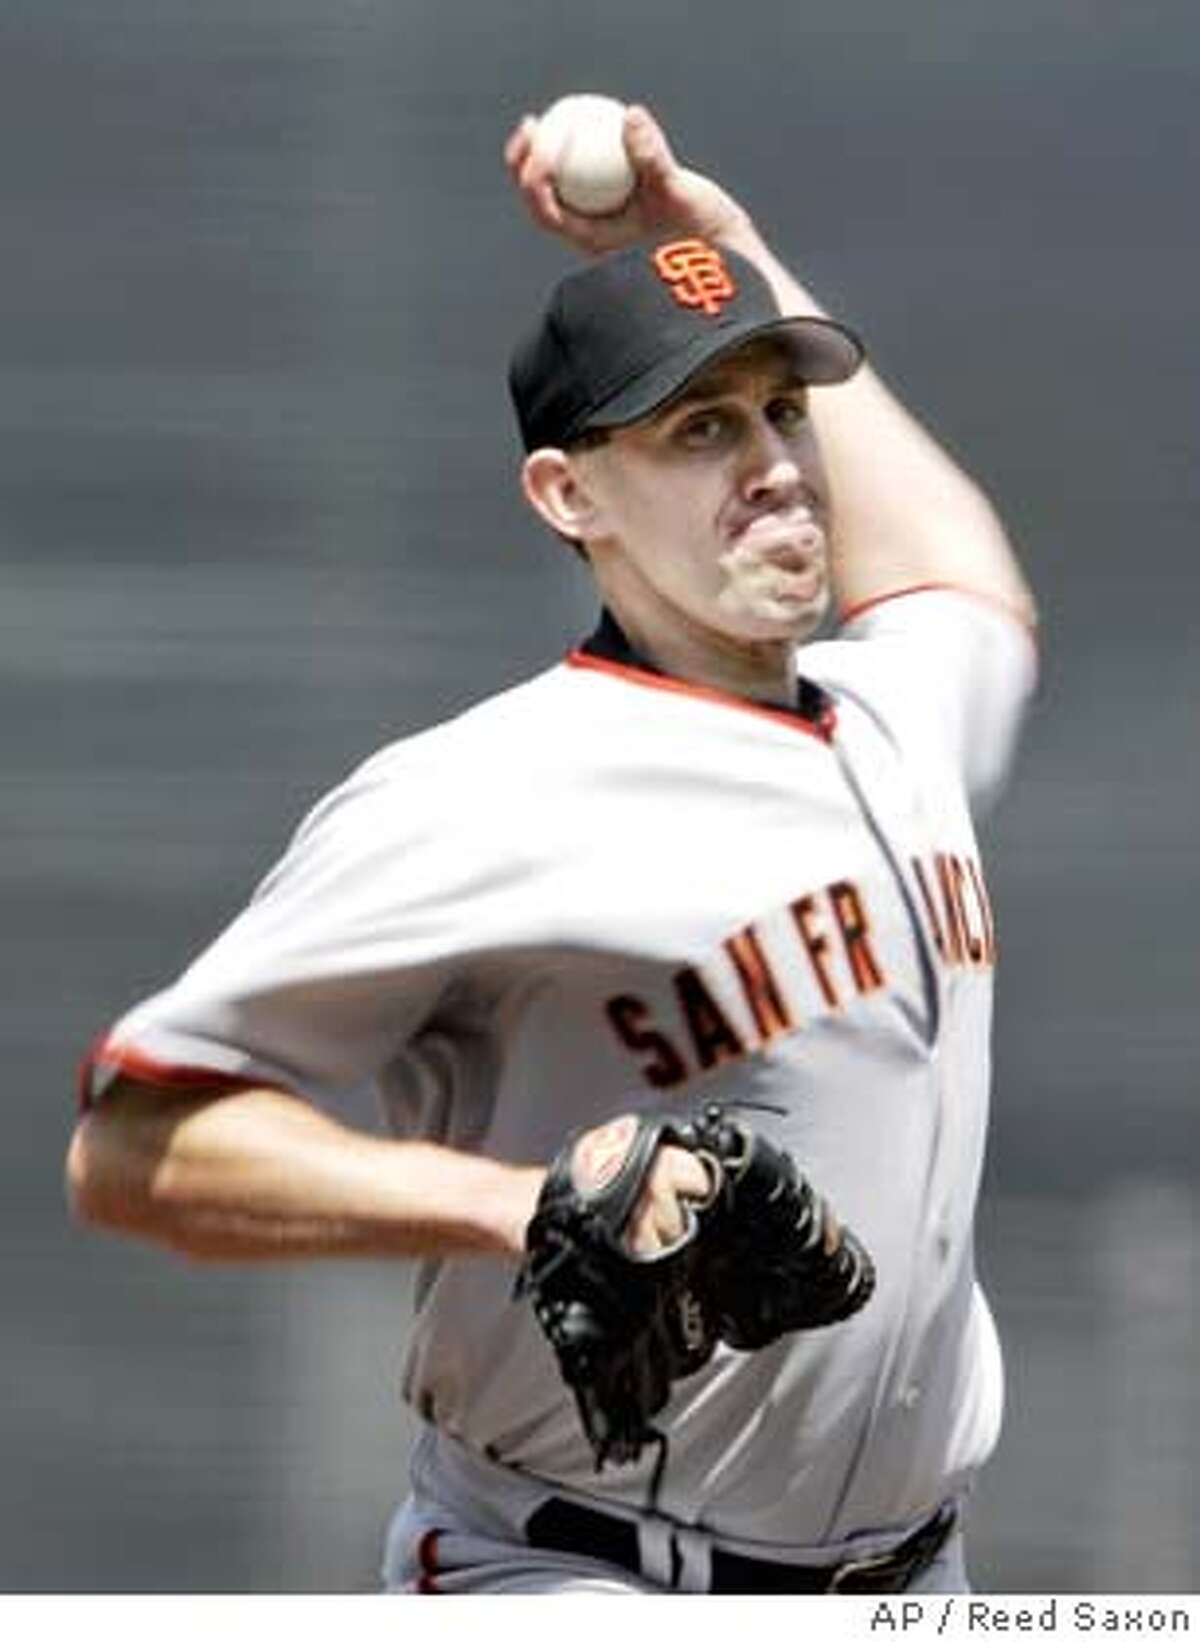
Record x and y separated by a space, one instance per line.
956 666
342 953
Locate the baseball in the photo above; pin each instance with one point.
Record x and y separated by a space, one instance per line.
580 136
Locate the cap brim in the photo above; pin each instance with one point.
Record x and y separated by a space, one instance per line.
825 353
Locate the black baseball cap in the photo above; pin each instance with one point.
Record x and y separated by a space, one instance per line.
624 334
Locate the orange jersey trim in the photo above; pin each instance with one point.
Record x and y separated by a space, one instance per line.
821 729
853 611
427 1563
149 1070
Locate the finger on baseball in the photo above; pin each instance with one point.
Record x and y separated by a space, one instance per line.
526 163
535 179
646 144
541 205
520 140
592 234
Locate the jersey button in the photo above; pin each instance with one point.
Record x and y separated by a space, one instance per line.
910 1396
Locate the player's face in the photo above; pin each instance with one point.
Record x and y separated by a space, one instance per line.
715 509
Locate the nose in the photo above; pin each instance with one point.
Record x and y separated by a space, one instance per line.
773 468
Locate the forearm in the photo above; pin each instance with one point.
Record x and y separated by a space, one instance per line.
904 512
262 1175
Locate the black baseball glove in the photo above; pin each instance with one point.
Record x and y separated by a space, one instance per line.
624 1327
775 1258
761 1255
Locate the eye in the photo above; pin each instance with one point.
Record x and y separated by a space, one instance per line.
703 430
789 412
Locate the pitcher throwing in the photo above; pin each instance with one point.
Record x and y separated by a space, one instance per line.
672 967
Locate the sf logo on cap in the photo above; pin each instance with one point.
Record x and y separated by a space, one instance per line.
696 274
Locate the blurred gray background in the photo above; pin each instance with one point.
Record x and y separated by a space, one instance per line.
260 272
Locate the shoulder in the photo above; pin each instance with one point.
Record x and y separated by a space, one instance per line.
938 664
448 771
510 715
927 648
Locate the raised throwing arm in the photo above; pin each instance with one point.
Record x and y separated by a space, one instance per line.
905 513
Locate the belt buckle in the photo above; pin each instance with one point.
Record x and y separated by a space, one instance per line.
871 1566
903 1561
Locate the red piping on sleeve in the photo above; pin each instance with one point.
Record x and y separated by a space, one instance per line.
138 1065
851 612
427 1562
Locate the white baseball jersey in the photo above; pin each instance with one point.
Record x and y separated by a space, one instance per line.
606 890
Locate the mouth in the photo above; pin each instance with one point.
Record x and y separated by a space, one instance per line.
790 540
789 549
797 587
804 562
785 577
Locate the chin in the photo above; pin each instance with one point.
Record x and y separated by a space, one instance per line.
811 618
789 623
750 615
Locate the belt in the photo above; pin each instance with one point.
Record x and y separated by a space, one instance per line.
561 1525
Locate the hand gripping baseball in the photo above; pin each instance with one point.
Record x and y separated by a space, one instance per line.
624 1325
774 1257
667 198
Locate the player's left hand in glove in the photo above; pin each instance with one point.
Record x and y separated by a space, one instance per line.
610 1267
630 1309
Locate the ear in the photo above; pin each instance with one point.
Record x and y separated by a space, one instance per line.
555 489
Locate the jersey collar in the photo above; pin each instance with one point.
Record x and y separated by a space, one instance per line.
813 707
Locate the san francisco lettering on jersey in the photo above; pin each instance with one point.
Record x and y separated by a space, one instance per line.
788 969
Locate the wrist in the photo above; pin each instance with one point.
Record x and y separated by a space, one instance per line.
429 1199
736 231
790 294
513 1209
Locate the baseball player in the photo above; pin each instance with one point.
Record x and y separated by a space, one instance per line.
719 860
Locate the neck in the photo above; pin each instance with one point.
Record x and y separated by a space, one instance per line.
762 671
